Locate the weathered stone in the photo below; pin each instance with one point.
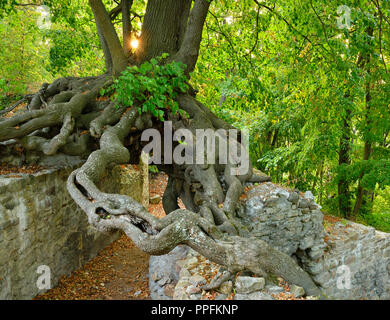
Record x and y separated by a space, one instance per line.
362 249
283 193
297 291
193 289
306 243
191 263
386 253
41 225
254 296
272 201
249 284
197 280
180 294
184 273
162 282
156 276
261 174
144 173
293 197
309 196
165 266
274 289
281 225
226 287
303 204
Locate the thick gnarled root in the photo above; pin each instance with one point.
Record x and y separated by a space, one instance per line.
59 104
218 280
211 192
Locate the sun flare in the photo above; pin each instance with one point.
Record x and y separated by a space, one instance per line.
134 43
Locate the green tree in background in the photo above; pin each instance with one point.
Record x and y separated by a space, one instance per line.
311 83
23 52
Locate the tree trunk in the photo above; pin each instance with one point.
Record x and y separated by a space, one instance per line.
345 158
106 50
126 26
104 24
163 28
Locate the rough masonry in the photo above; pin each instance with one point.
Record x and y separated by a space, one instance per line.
40 224
347 260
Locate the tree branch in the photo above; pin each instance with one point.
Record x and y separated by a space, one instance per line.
106 50
126 25
189 50
107 29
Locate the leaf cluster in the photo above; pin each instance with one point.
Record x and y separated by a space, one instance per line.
154 84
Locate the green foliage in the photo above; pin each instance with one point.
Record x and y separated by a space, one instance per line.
22 55
30 54
155 85
379 215
73 51
376 173
153 169
7 6
382 202
4 87
68 57
287 72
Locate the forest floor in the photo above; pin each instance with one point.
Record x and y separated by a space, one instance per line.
118 272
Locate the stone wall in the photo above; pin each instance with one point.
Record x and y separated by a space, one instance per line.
359 253
347 260
40 224
288 220
293 223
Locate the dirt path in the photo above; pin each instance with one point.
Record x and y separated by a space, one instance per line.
119 272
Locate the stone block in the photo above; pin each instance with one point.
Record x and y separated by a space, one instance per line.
249 284
226 288
297 291
254 296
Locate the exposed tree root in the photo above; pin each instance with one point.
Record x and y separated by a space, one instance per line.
219 279
60 104
210 191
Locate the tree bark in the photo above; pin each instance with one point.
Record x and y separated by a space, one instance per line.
366 155
360 191
162 28
365 61
126 26
189 50
103 20
106 50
